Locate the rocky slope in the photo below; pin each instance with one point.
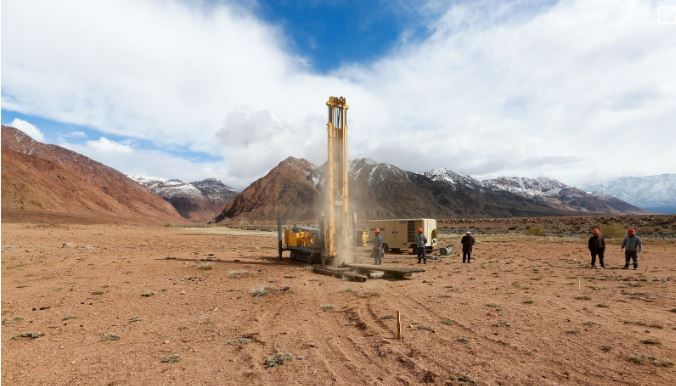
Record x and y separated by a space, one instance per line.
653 193
49 183
199 200
287 190
380 190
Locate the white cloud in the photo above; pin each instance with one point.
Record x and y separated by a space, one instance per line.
75 134
575 91
105 145
143 162
28 128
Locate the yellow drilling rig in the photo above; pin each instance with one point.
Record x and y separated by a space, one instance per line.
333 238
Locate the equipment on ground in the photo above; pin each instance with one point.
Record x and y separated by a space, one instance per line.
400 234
335 232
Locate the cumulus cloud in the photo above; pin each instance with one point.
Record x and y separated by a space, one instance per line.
136 161
105 145
28 128
574 90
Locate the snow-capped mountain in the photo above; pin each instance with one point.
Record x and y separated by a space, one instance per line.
454 179
527 187
168 189
294 190
198 200
214 189
653 193
558 194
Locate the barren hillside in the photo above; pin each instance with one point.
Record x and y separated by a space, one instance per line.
52 184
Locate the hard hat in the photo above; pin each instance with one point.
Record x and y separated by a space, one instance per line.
631 231
376 231
468 233
595 231
420 230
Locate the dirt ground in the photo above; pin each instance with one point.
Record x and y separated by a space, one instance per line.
528 310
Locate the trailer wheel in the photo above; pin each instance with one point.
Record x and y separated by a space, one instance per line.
386 249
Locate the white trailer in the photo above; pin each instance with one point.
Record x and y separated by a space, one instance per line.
399 234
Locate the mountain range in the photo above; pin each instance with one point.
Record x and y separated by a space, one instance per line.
40 180
197 201
294 188
653 193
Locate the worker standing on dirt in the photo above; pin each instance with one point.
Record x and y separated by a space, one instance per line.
467 242
378 251
421 244
597 246
632 246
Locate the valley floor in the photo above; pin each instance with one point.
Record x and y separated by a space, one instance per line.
527 310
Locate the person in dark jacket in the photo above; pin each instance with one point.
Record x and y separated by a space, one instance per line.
378 251
597 247
632 246
467 242
421 245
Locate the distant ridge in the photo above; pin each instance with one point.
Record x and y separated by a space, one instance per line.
654 193
198 200
47 183
380 190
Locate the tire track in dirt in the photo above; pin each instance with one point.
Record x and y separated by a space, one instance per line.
497 347
400 351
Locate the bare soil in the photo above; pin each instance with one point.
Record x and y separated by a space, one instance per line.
97 304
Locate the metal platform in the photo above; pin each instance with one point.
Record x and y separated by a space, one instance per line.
387 270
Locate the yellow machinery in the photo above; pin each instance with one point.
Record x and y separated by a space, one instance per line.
335 233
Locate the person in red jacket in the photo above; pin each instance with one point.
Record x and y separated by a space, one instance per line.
597 247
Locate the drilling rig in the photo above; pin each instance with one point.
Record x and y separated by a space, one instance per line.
332 241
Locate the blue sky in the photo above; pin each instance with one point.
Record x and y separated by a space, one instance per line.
335 33
227 89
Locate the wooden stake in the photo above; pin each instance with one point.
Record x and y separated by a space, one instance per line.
398 336
579 284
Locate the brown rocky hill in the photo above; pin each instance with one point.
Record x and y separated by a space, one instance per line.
47 183
380 190
287 190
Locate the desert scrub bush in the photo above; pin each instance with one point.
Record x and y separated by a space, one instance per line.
327 307
147 294
12 321
448 322
602 305
205 266
369 293
241 341
582 297
172 358
462 339
534 230
423 327
643 359
278 359
613 231
27 335
651 342
259 290
110 337
238 274
528 301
